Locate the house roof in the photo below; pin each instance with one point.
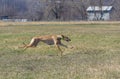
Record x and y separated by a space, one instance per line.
97 8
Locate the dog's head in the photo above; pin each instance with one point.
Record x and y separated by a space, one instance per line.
66 38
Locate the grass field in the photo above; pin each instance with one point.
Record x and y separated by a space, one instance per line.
95 53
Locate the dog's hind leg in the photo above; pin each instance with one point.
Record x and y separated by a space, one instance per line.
34 42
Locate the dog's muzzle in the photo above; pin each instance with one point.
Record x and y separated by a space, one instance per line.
68 40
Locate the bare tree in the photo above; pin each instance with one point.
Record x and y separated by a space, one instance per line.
35 10
54 9
101 9
7 9
66 10
81 8
116 7
60 10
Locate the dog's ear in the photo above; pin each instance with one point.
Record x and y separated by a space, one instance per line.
62 36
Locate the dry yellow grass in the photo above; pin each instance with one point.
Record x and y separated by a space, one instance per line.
69 22
96 52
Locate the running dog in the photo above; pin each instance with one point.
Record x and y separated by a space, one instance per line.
50 40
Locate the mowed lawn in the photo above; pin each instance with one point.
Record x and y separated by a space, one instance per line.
93 53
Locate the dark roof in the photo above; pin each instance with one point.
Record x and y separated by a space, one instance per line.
97 8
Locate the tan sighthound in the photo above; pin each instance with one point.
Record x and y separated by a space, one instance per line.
50 40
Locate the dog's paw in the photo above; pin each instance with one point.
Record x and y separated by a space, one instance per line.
70 47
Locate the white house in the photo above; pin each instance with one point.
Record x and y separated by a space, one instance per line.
99 13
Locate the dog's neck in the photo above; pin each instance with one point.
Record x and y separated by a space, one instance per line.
60 36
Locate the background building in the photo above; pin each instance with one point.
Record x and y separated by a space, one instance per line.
99 13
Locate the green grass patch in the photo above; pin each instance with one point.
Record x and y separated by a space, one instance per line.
95 53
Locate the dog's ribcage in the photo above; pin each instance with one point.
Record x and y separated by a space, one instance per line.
49 42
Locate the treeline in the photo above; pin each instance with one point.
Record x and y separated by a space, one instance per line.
61 10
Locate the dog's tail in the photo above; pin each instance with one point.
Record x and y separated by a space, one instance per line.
24 45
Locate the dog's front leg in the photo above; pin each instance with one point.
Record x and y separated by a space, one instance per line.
56 43
63 45
59 49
